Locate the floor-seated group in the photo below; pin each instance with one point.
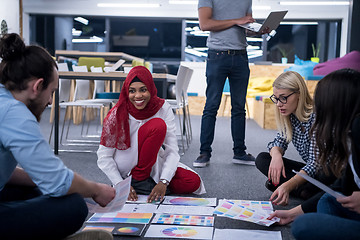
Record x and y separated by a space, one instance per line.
38 193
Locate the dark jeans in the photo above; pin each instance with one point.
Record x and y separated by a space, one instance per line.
235 67
306 190
27 214
332 221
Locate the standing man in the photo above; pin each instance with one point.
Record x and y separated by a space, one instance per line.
40 198
227 58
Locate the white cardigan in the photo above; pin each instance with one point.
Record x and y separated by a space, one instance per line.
117 164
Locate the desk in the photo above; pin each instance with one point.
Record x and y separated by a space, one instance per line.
160 78
108 56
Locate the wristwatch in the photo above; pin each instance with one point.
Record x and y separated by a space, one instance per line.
164 182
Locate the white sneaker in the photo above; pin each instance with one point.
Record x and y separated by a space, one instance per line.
91 235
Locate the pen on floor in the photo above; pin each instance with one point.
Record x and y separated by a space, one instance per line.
161 202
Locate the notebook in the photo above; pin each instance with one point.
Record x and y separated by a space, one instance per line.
272 22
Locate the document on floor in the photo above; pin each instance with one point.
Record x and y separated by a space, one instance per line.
190 201
125 229
180 219
122 193
143 199
184 232
190 210
265 206
236 234
231 209
139 208
118 217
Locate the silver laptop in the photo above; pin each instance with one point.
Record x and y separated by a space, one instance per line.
272 22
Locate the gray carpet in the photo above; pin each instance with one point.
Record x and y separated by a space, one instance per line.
222 178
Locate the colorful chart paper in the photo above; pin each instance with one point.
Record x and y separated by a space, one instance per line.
179 219
129 229
186 232
98 227
118 217
188 210
265 206
190 201
231 209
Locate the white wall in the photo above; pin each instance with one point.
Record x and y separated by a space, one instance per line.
9 11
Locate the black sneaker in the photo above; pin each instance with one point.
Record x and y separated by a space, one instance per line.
202 161
270 186
246 159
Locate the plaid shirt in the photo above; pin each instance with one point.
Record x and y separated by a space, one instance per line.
302 142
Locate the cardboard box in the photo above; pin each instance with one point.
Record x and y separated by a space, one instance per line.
264 113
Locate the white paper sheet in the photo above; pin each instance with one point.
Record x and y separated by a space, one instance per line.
143 199
231 209
139 208
190 210
122 193
239 234
264 206
190 201
184 232
320 185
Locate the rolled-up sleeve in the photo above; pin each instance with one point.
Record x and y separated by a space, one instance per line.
279 141
32 152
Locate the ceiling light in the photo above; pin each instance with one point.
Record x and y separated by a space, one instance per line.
93 39
183 2
299 23
128 5
298 3
82 20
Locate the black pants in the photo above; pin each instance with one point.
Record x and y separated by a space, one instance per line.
306 190
27 214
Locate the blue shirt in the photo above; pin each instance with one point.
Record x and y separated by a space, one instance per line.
303 142
21 143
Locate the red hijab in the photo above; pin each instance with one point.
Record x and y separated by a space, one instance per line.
116 129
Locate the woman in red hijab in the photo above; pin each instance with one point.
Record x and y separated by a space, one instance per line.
139 139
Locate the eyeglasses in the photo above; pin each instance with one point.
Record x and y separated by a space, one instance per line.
282 99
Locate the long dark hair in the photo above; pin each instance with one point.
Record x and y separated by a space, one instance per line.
21 63
337 102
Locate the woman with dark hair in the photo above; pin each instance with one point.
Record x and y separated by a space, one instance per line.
139 139
40 198
337 132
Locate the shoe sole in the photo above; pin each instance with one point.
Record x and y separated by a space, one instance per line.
91 235
243 162
200 165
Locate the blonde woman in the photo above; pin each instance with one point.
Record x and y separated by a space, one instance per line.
295 117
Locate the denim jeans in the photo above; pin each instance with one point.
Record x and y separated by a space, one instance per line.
235 67
332 221
27 214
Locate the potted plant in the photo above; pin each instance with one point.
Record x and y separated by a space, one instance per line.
316 51
284 54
